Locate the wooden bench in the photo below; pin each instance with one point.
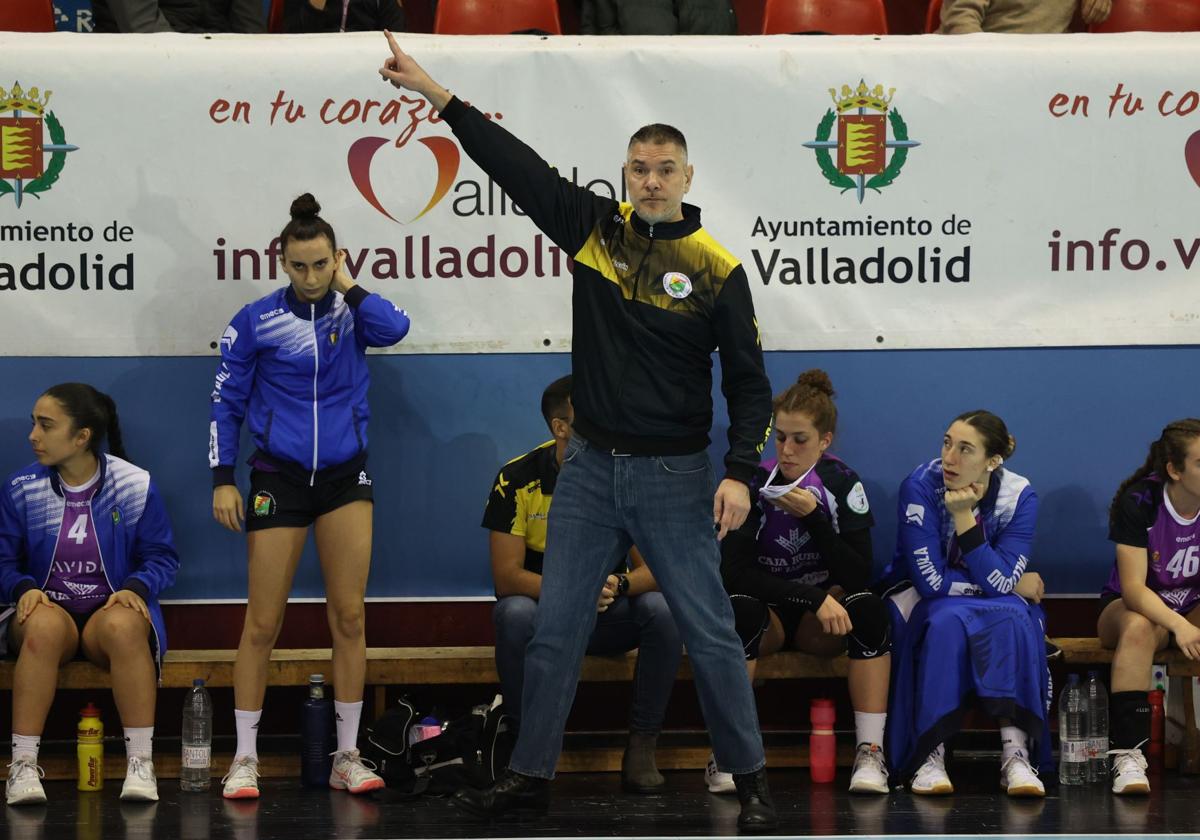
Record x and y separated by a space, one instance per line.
476 666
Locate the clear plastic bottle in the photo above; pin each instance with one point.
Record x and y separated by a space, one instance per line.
1072 733
1097 731
195 769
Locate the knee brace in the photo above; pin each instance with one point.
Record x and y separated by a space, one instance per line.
872 633
750 619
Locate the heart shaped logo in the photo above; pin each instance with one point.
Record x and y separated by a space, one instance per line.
1191 154
362 152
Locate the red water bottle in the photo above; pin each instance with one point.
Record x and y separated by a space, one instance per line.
1157 726
822 744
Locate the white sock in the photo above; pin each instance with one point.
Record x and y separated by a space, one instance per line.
26 745
868 727
139 741
247 732
347 716
1012 741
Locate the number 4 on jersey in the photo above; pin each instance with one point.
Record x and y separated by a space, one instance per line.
78 531
1185 563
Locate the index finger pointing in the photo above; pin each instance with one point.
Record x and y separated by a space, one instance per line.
391 39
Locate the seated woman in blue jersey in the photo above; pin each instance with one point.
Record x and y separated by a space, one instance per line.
85 551
965 615
1152 598
294 368
797 570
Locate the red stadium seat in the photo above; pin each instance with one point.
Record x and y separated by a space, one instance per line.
27 16
275 17
495 17
933 18
749 16
836 17
1152 16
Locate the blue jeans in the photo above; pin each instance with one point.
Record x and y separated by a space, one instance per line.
643 622
603 504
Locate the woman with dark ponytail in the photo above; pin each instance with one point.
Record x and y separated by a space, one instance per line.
1152 598
966 614
85 551
294 368
797 569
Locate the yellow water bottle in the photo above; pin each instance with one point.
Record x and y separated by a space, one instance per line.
90 749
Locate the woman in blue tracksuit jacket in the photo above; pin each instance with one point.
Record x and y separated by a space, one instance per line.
293 367
85 551
965 619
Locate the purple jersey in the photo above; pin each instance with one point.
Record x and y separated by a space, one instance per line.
77 582
1145 518
785 546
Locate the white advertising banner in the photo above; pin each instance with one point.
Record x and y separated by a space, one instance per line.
904 192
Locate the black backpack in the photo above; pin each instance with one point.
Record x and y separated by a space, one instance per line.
471 751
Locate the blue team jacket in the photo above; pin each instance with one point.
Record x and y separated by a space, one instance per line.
137 550
937 563
297 373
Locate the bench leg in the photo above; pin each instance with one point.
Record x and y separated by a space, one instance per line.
1189 758
380 699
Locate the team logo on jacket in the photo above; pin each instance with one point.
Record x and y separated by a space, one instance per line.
677 285
862 143
23 146
856 499
116 516
915 515
264 504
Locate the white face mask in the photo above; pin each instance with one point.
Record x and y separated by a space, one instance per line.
774 491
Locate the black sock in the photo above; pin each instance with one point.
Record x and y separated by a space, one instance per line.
1129 712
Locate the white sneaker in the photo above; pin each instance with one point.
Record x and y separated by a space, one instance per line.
24 785
717 781
140 783
1019 778
241 782
870 773
931 778
350 772
1129 771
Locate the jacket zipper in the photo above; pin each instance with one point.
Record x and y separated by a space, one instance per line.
312 479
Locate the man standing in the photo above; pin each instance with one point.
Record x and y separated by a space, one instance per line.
653 295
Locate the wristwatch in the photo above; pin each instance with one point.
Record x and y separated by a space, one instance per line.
622 585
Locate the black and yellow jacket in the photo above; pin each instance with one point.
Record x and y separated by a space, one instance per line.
650 304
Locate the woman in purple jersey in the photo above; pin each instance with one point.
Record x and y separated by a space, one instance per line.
1152 598
797 570
85 550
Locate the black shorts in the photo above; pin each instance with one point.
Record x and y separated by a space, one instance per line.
279 501
80 619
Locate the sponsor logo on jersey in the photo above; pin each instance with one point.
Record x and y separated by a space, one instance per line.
862 143
793 541
21 478
81 588
915 515
677 285
264 504
856 499
267 316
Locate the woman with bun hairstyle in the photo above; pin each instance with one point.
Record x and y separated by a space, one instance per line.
965 612
797 570
85 551
1152 598
293 367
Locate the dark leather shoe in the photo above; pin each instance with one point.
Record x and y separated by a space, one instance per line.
758 812
512 792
